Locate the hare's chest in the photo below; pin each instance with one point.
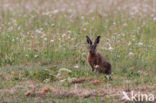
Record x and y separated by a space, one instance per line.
92 60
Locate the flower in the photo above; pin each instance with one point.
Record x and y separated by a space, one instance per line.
55 11
36 56
154 19
131 54
63 35
76 66
45 39
125 24
129 43
38 31
110 48
13 40
51 41
140 44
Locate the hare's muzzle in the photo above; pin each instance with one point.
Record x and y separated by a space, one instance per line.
92 49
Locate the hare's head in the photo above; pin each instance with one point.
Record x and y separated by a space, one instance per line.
92 46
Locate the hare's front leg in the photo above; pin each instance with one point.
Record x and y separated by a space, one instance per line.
93 68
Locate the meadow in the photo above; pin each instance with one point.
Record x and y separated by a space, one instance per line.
43 50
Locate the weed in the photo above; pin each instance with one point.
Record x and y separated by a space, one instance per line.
43 75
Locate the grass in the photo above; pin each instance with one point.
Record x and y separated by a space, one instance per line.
39 38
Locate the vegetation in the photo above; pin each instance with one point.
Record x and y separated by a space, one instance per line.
43 50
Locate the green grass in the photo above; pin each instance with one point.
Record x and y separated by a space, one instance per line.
37 41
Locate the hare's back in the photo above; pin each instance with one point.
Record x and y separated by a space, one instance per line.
104 61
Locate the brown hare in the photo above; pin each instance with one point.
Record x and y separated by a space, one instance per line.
96 60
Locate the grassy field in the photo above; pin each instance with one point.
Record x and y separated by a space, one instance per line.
43 50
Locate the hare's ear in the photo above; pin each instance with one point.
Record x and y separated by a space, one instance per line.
97 40
88 40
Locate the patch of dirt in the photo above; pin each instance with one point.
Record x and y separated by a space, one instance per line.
86 93
41 91
76 89
89 80
44 90
7 76
78 80
107 90
30 92
95 82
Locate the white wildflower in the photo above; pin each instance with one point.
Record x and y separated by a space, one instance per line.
52 24
62 81
154 19
82 17
45 39
125 24
19 28
76 66
83 54
129 43
36 56
140 44
55 11
131 54
68 37
13 40
84 29
47 80
63 35
114 23
110 48
69 32
51 41
118 35
123 34
38 31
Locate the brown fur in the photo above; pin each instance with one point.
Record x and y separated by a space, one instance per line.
98 63
103 65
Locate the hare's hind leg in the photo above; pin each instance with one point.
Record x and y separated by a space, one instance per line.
98 69
108 71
